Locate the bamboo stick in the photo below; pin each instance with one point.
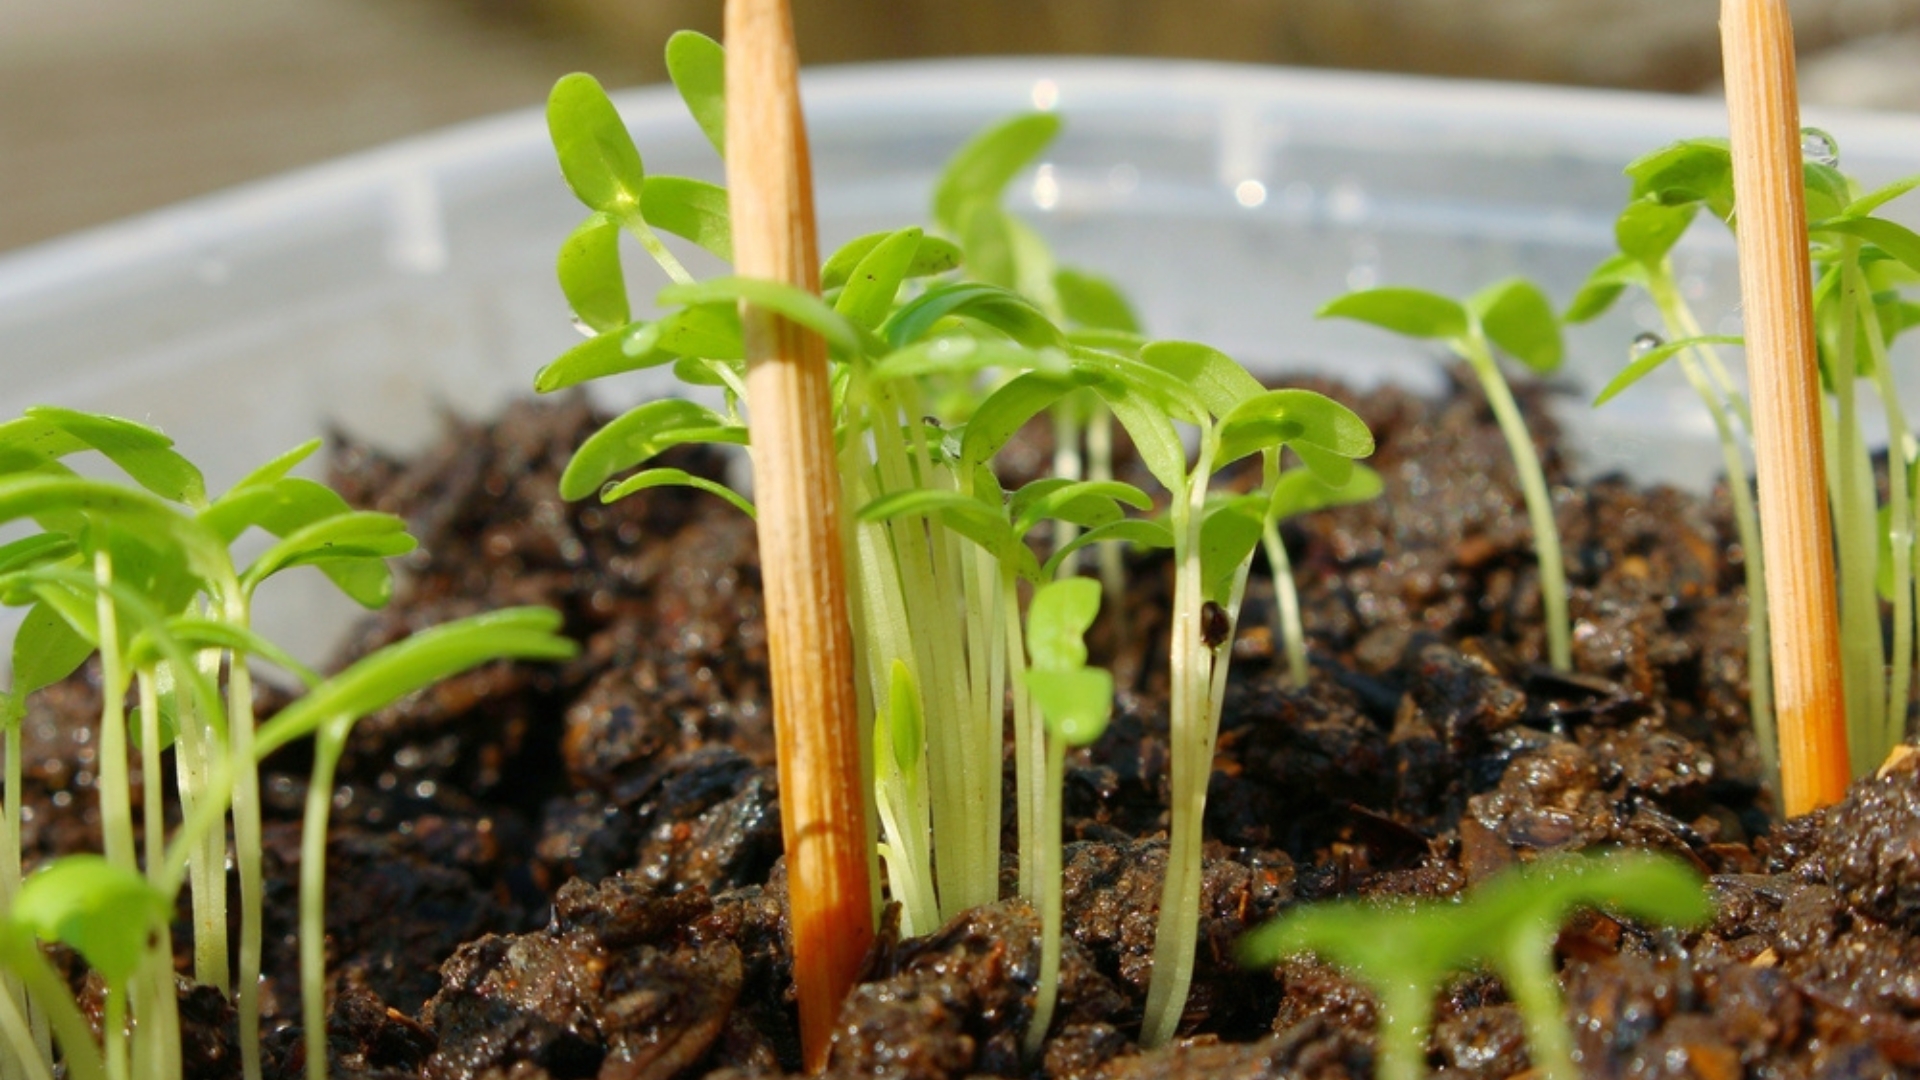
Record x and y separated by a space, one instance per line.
1776 294
797 493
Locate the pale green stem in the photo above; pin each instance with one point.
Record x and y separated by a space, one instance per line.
1400 1033
1286 603
1854 522
1048 991
1681 323
1527 971
116 796
114 1032
1067 465
1900 514
1112 559
246 835
153 819
1036 790
156 1013
208 854
21 1058
1539 500
1177 930
40 1046
329 742
80 1054
650 241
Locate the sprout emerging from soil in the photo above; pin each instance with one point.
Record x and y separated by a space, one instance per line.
1405 954
1517 317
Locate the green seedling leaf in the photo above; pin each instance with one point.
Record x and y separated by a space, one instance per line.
1296 418
705 330
590 275
1693 170
1648 228
35 550
698 67
1007 409
1891 237
932 255
596 152
1516 316
1075 704
1828 191
1413 312
1641 885
1153 434
106 913
981 170
1136 531
964 354
906 724
989 305
640 434
1058 619
1646 362
664 477
696 371
196 632
276 468
1215 377
1086 503
965 514
1119 342
875 281
1094 302
285 507
784 300
373 682
1603 286
1875 199
143 452
691 209
28 444
139 513
1229 531
599 356
356 535
46 649
1299 491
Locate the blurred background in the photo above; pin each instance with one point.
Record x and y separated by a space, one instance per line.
111 107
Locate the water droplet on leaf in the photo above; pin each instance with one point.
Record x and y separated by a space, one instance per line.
580 324
1819 147
1645 343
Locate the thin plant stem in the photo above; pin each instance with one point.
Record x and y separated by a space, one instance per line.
328 743
153 818
20 1058
40 1045
651 242
114 1032
79 1053
246 836
1176 935
1050 900
1862 650
116 799
1680 321
1527 970
1539 500
1286 603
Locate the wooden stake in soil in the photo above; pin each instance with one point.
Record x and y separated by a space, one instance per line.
797 492
1776 293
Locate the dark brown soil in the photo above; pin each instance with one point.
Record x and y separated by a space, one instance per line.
574 871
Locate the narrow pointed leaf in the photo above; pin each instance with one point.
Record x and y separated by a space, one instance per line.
933 255
1646 362
596 152
639 434
1092 301
1648 228
785 300
1135 531
1299 491
1291 417
143 452
1891 237
1603 286
1412 312
875 281
980 171
906 726
665 477
990 305
1217 378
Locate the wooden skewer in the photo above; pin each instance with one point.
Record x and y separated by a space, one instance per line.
1777 296
797 493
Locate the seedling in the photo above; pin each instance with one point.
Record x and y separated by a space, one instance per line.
1075 701
1517 317
142 575
939 553
1405 954
1863 263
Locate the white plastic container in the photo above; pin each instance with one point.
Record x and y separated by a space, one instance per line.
373 292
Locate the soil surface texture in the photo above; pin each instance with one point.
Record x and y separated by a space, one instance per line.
574 871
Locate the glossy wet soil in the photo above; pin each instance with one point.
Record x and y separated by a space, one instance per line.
574 871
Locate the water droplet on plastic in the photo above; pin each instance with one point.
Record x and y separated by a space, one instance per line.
1644 343
1819 147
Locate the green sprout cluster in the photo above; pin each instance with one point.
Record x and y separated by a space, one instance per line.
1406 953
141 574
1865 267
943 348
